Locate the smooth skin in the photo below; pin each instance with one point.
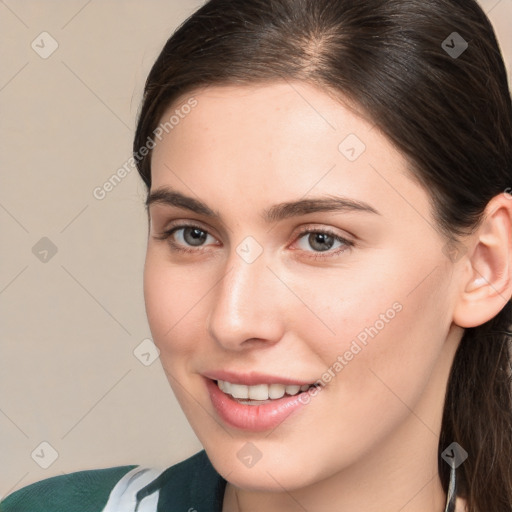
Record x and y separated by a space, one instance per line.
369 440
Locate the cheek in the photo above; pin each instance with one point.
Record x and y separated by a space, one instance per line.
158 297
388 342
346 308
392 320
169 294
178 302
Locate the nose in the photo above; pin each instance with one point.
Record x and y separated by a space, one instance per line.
246 305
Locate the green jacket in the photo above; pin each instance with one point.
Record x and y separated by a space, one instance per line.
192 485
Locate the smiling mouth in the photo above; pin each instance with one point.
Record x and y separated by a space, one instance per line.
260 393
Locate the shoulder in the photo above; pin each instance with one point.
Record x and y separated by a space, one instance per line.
86 491
193 483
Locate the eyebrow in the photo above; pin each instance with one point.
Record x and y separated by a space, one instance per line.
277 212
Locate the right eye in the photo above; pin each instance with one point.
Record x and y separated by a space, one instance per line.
184 236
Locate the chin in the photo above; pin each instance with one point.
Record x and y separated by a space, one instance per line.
271 478
271 473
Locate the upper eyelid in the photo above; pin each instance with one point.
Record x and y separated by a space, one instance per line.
183 225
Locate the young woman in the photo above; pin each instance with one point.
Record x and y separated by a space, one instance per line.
329 263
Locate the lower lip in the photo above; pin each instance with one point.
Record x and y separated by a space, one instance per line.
255 418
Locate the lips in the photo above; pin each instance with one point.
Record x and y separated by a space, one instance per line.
258 413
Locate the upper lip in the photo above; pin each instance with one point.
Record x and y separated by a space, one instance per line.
253 378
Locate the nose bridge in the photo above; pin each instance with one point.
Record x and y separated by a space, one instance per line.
245 303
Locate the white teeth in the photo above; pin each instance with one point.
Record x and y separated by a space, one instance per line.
292 390
238 390
259 391
276 390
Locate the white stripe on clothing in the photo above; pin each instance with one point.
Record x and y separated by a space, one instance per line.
122 498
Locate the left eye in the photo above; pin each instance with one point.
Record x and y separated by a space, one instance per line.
321 241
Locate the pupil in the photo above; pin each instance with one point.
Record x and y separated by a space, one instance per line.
321 238
196 236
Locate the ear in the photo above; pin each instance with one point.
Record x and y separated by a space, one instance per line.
487 280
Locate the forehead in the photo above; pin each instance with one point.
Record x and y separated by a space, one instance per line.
270 114
278 141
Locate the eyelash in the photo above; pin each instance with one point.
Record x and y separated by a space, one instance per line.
166 235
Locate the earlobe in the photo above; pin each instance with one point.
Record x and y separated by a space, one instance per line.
487 285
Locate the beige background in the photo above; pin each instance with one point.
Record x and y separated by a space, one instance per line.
70 325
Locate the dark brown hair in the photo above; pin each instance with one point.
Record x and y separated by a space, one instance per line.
450 115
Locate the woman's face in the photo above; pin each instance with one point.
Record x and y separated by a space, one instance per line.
279 282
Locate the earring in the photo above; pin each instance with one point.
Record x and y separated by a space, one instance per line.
452 491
